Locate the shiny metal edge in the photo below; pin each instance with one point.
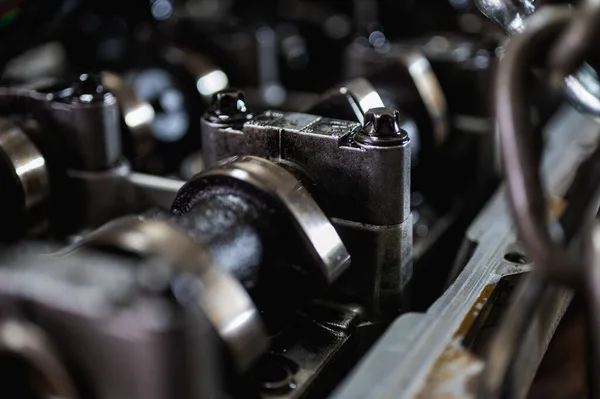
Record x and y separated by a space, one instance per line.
321 238
30 169
224 300
403 359
582 89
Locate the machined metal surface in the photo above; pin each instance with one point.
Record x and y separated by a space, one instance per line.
424 355
553 264
224 301
346 171
137 114
350 100
526 197
582 88
88 118
315 229
120 323
271 255
30 169
31 344
350 167
429 88
91 130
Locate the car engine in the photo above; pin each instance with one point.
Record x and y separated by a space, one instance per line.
299 199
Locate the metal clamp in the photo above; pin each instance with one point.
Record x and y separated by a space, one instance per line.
321 239
223 299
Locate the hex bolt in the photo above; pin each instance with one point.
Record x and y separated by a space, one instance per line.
88 88
382 128
228 107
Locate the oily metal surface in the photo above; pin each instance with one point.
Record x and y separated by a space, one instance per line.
30 169
321 239
406 359
224 301
582 88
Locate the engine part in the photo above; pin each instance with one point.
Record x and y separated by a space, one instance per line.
224 209
553 262
67 144
26 182
581 88
238 211
446 353
224 302
338 157
270 249
89 325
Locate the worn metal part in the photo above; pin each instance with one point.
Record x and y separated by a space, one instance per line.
84 117
377 177
91 209
87 119
385 255
84 122
28 166
126 328
509 14
210 79
409 59
229 108
137 114
577 42
429 88
381 128
124 192
313 367
519 152
28 342
591 247
506 373
222 298
149 191
582 88
349 101
314 228
424 355
327 150
553 264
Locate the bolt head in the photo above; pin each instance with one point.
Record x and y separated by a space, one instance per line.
228 106
381 122
229 102
382 127
88 88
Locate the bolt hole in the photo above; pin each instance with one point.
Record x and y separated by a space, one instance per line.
515 257
275 374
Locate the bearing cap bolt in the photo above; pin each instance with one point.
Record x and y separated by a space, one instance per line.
382 128
88 88
228 106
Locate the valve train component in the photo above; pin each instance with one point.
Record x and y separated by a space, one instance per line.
333 228
341 160
90 325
